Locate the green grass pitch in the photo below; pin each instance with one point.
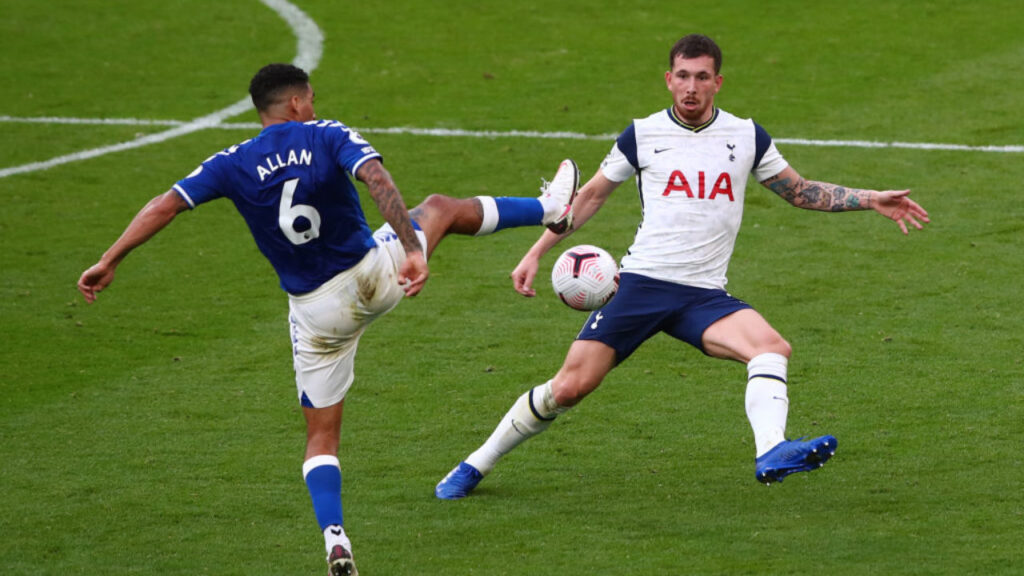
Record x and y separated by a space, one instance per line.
157 432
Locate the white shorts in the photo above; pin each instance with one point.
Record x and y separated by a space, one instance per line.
326 323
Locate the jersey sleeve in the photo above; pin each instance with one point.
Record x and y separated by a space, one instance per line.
768 161
204 183
621 162
350 149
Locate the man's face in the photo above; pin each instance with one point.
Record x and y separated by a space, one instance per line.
693 84
304 105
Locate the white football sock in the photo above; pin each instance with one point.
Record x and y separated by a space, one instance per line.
490 220
531 414
766 400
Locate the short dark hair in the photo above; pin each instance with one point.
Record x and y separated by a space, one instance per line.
694 46
269 84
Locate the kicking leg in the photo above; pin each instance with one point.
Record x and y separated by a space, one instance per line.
439 216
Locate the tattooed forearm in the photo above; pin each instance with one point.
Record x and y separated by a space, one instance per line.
823 196
389 202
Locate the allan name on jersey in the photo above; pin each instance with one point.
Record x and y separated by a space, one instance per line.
276 162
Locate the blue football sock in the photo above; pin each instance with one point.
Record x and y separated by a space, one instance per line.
323 479
514 211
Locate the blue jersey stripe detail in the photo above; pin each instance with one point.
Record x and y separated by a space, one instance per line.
627 145
761 142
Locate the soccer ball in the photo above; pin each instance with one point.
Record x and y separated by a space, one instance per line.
585 277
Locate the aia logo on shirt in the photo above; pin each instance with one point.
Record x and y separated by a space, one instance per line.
678 184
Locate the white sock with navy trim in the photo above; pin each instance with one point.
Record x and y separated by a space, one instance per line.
767 402
531 414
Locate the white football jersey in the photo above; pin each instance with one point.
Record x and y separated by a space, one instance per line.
691 182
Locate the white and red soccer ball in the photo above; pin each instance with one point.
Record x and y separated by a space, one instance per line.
585 277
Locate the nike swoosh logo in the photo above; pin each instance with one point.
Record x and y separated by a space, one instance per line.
336 531
516 427
660 150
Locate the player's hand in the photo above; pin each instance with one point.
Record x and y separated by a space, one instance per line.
413 273
896 206
94 280
523 275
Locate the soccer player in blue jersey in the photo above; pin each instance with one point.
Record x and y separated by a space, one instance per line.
291 183
691 164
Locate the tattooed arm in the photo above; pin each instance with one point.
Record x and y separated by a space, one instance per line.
413 272
812 195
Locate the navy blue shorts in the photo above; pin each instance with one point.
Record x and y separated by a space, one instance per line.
643 306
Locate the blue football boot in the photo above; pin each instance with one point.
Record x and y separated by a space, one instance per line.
458 483
793 456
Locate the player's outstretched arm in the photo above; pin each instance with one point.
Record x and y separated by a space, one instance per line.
823 196
413 273
153 217
588 201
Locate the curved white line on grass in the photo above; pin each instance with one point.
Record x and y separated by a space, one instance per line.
198 124
310 40
310 48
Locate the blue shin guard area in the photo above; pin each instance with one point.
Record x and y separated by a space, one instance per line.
514 212
324 483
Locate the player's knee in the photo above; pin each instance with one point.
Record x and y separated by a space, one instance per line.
569 389
436 202
448 215
779 345
770 340
429 208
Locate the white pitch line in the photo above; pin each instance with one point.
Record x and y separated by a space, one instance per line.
309 40
186 128
458 133
89 121
907 145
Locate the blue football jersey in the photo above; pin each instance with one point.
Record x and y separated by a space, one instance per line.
291 184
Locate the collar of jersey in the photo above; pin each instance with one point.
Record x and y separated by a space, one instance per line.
278 126
672 114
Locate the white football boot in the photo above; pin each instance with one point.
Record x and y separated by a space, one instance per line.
562 190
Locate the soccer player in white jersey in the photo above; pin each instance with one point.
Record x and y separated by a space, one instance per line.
291 184
690 163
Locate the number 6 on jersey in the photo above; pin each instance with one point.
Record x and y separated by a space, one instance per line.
293 218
